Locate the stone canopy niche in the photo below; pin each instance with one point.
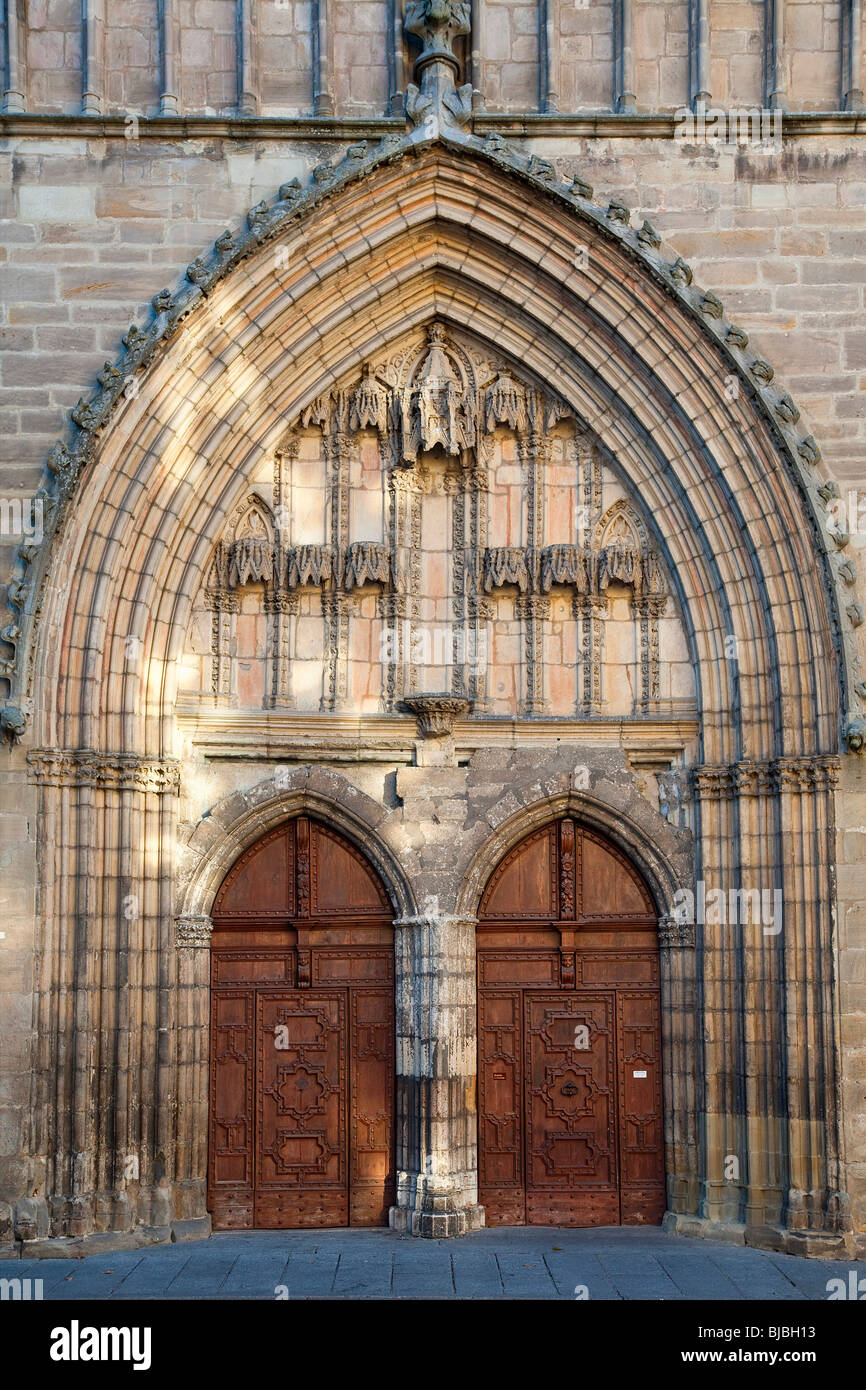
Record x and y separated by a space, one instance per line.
439 523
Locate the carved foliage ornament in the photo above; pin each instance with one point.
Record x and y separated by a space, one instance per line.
436 714
111 771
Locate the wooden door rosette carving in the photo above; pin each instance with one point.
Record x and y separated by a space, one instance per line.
302 1037
570 1121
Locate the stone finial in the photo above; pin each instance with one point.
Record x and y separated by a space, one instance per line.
437 23
436 714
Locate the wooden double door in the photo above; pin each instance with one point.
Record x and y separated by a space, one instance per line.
569 1042
302 1037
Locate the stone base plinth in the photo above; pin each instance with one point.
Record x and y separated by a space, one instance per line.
438 1221
104 1242
828 1245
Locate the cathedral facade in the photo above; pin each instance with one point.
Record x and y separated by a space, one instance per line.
434 711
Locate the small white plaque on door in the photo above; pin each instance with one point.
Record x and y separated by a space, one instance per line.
639 1073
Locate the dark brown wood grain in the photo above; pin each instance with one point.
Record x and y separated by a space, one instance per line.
570 1126
302 1037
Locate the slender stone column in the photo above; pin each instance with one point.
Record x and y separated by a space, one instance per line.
817 1214
476 54
323 92
169 97
93 56
699 52
677 962
548 55
718 992
15 61
533 611
396 65
337 609
774 37
591 611
247 58
224 606
104 1096
625 97
852 96
647 610
282 609
437 1127
192 942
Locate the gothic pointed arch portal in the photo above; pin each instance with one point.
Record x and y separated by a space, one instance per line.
432 339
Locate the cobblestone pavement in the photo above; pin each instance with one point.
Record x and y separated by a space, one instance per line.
506 1262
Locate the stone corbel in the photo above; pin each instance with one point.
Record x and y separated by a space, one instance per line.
855 735
436 715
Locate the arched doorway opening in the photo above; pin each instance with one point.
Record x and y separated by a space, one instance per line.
302 1036
570 1114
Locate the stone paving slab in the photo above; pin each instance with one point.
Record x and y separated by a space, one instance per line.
516 1262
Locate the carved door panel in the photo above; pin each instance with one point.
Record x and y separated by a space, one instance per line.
372 1189
301 1169
231 1136
302 1037
500 1106
570 1128
571 1158
640 1107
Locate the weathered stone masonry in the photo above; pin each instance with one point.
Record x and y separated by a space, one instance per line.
424 352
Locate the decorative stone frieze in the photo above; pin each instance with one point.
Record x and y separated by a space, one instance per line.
807 774
111 771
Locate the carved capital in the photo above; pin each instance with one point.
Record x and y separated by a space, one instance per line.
437 714
193 932
530 607
278 601
753 778
441 920
56 767
672 932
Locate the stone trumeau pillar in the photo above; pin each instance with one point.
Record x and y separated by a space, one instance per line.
437 1132
437 1169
